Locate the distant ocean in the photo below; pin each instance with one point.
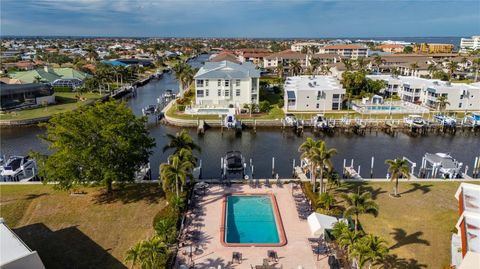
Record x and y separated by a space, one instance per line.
443 39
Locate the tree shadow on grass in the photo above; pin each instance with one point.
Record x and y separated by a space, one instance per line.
66 248
131 193
392 261
400 235
364 187
33 196
417 186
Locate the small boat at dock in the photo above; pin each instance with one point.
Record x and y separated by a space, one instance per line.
230 121
319 121
472 119
234 162
445 121
441 165
290 120
415 121
18 168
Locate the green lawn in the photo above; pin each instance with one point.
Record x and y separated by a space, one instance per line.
66 101
90 230
418 225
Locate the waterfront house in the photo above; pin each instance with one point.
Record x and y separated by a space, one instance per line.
465 244
469 44
227 84
14 253
346 51
422 91
302 46
313 93
284 58
64 76
25 95
433 48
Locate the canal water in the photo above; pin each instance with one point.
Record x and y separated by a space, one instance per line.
267 143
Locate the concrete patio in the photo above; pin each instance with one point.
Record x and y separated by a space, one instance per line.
207 251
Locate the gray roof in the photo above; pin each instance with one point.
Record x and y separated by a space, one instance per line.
227 70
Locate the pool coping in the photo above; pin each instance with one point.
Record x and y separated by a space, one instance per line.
278 222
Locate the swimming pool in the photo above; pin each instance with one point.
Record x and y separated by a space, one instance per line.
383 108
252 220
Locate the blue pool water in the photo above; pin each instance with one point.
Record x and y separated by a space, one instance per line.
250 219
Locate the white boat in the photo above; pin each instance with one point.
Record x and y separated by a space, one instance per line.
319 121
18 168
229 121
443 165
445 120
472 119
149 110
414 121
290 120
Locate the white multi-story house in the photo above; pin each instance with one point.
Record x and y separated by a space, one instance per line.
346 51
469 44
422 91
227 85
313 93
300 46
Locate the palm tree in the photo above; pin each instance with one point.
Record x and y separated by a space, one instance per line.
359 204
395 71
476 66
149 254
347 239
452 67
37 79
166 229
442 102
314 64
361 252
325 70
181 140
348 64
414 67
326 201
361 63
175 172
377 246
431 69
321 156
397 168
377 61
295 67
280 70
305 149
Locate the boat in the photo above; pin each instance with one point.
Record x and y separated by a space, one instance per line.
18 168
415 121
149 110
169 95
290 120
472 119
233 162
445 120
443 165
319 121
229 121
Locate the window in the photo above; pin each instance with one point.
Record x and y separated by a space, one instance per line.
335 106
200 93
227 83
219 92
459 105
237 82
199 82
207 92
227 92
237 92
206 82
219 83
318 105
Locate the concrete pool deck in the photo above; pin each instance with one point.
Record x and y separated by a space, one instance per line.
212 254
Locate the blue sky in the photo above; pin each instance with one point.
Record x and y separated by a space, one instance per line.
241 18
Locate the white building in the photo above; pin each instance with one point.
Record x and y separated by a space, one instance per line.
469 44
424 91
14 253
300 46
346 51
465 245
227 85
313 93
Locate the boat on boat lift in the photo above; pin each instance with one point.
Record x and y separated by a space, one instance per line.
319 121
472 119
149 110
415 121
18 168
230 121
233 162
441 164
290 120
445 120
